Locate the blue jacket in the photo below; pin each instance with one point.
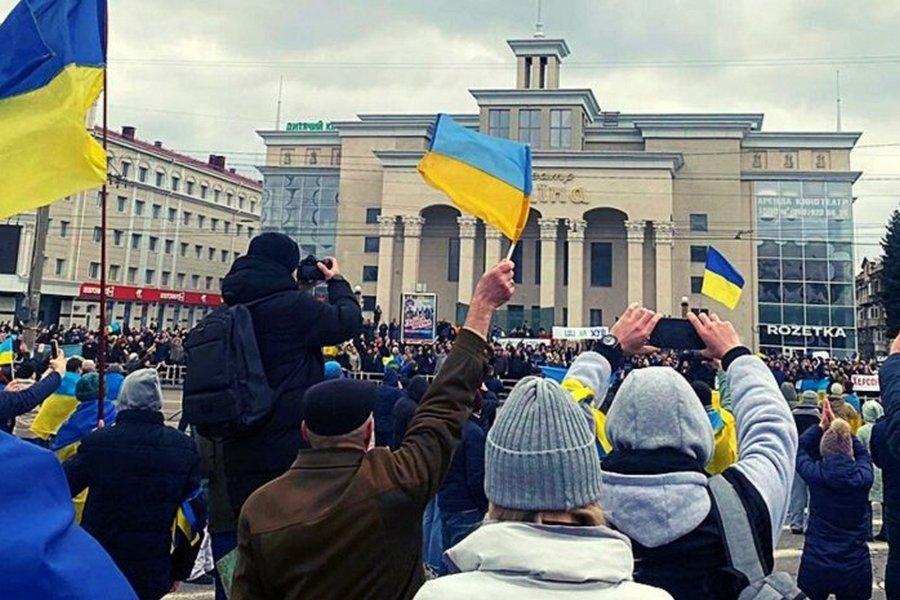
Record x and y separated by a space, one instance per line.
113 385
838 504
885 442
463 487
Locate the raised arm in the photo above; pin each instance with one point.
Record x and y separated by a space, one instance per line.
13 404
341 318
423 458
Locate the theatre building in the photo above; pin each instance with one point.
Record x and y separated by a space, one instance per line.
623 209
174 226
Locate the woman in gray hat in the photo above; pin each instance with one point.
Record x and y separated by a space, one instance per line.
545 534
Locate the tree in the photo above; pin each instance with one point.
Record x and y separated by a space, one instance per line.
890 290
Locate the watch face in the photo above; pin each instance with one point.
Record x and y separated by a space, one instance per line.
609 340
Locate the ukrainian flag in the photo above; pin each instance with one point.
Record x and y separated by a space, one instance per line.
721 281
51 72
56 409
485 176
6 350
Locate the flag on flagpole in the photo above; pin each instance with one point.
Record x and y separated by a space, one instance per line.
6 350
51 73
485 176
721 281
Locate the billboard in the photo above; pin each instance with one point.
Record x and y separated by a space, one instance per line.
418 318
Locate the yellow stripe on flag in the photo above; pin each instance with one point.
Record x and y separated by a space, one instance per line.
492 200
46 152
718 288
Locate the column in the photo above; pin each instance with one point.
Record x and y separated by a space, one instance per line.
466 258
634 231
493 246
412 241
663 240
576 271
548 228
387 228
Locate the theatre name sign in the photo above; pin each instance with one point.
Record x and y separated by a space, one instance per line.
822 331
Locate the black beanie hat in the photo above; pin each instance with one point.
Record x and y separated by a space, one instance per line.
703 392
338 406
277 248
417 387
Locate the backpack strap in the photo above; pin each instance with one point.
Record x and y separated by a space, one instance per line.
739 539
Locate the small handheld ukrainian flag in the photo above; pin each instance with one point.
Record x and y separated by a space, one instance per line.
485 176
6 350
51 72
721 281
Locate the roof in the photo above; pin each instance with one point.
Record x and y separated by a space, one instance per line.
182 158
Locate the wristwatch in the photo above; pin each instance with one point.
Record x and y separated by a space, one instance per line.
609 348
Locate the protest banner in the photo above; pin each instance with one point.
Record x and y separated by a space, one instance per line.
418 318
865 383
579 333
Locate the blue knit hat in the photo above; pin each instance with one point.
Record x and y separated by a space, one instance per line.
541 452
333 370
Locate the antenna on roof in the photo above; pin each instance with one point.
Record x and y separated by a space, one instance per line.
538 26
837 89
278 105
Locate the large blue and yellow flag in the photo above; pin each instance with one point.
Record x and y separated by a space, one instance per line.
485 176
51 72
6 351
721 281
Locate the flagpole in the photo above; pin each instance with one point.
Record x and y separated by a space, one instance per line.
512 248
101 363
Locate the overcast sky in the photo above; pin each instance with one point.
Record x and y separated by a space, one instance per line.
176 74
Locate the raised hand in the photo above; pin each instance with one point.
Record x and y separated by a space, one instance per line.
718 335
633 329
494 289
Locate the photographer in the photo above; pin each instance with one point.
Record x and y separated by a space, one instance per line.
291 327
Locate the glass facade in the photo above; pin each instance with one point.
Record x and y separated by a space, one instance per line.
304 207
804 233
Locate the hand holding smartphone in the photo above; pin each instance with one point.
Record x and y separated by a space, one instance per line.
676 334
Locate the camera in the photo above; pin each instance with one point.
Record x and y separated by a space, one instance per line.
308 270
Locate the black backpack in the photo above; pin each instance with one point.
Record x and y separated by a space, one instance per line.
226 392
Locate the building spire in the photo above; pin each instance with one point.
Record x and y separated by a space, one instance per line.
538 26
278 104
837 89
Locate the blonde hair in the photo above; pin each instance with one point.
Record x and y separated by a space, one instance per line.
840 427
585 516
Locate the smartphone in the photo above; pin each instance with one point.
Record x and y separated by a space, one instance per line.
676 334
54 349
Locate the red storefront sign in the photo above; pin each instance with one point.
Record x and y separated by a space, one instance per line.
126 293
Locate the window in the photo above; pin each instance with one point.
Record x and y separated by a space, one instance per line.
198 250
698 254
209 281
175 182
601 264
696 285
253 206
117 237
372 215
126 169
699 222
201 221
98 234
203 190
530 127
498 123
241 201
216 195
153 243
596 316
179 280
240 228
120 203
164 278
142 174
63 228
157 211
371 244
94 270
368 303
224 255
186 218
561 128
211 253
135 241
184 248
189 188
229 198
173 214
452 259
114 272
195 281
149 276
139 207
370 273
250 232
214 224
132 274
160 178
226 226
537 263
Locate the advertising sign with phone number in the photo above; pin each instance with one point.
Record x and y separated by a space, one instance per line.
418 318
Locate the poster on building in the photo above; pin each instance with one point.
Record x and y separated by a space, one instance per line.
418 318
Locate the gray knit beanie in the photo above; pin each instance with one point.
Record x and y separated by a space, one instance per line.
141 390
541 453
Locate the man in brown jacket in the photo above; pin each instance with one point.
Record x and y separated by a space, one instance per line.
345 521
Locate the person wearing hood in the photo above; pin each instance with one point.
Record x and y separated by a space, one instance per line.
871 412
885 444
113 382
725 437
139 473
291 327
806 415
838 470
388 393
654 485
789 391
547 538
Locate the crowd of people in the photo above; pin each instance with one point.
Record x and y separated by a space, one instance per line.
637 473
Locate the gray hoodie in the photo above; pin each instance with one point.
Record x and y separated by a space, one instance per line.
654 410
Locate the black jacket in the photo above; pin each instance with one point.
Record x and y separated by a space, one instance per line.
291 328
885 442
138 472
